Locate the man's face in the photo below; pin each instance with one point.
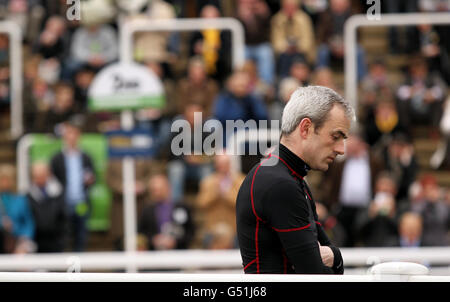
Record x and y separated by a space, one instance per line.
159 188
324 144
239 84
71 136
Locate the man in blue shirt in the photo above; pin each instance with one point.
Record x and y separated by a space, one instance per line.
74 170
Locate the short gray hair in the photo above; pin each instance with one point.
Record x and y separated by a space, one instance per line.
313 102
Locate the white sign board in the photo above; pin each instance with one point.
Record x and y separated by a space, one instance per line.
127 86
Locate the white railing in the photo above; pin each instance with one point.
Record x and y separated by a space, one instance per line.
170 277
201 260
385 272
16 83
350 31
129 27
23 163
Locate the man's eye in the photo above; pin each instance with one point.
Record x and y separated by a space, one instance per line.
335 137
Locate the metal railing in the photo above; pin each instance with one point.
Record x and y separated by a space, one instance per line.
201 260
350 42
16 81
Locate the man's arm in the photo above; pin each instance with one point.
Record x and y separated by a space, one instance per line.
328 251
287 213
330 254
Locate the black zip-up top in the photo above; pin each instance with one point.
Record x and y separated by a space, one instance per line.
277 224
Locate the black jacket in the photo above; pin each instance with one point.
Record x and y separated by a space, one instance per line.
49 217
181 225
277 223
58 168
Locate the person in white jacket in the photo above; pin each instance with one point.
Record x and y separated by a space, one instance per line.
442 153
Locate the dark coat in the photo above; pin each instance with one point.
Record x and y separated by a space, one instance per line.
49 217
58 168
182 226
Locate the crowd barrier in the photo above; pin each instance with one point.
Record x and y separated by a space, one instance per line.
201 260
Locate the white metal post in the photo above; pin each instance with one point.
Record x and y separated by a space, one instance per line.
127 29
129 205
16 82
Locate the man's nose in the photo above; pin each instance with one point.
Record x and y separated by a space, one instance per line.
340 147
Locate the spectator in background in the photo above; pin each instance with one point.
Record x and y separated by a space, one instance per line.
53 41
74 169
292 34
379 227
433 5
400 160
338 189
16 219
421 95
256 85
156 120
434 50
383 121
144 168
330 36
331 225
435 212
4 72
216 201
410 227
255 15
27 14
441 157
37 95
5 92
196 88
375 86
401 6
300 70
47 203
194 165
236 102
4 48
159 47
92 44
164 224
83 79
323 76
62 109
286 87
213 45
170 108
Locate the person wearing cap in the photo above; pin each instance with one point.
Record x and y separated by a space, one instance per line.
74 169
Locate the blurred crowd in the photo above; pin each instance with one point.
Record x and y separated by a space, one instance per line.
188 201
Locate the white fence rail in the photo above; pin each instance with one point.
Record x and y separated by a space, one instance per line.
198 260
16 82
162 277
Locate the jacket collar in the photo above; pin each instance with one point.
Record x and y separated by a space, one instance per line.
293 162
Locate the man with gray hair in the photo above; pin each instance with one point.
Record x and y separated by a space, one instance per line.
277 223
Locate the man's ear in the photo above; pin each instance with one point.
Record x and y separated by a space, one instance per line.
305 127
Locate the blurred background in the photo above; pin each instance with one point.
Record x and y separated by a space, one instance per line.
61 174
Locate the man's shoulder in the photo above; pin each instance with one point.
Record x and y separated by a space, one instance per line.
57 156
271 175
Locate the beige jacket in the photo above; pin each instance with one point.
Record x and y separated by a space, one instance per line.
299 31
217 206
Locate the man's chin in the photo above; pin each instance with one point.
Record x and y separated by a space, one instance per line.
323 167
